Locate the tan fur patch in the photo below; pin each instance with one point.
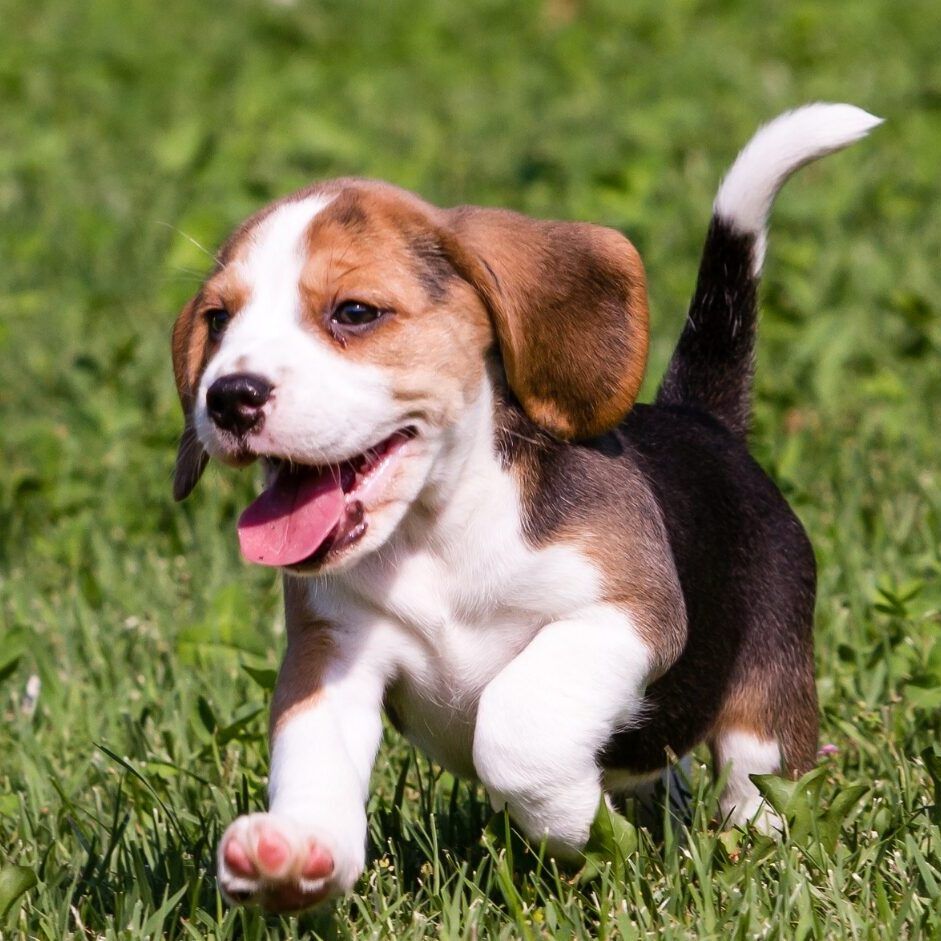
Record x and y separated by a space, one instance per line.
754 705
434 335
648 591
598 504
310 647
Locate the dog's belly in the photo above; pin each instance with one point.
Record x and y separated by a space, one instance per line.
434 700
443 731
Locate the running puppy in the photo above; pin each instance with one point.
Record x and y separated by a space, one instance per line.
544 586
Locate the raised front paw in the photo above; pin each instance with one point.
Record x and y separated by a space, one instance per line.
279 864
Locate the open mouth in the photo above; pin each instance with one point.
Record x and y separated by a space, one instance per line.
309 511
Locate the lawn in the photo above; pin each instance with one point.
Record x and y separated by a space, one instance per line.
135 647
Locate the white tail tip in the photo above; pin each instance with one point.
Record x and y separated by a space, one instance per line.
777 150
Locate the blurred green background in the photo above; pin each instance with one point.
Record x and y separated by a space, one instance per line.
133 136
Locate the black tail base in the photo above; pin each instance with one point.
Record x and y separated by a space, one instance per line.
714 362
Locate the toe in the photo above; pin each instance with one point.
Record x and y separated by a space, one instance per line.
237 859
274 863
319 863
272 851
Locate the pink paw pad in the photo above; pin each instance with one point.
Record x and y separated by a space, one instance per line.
272 851
319 864
237 859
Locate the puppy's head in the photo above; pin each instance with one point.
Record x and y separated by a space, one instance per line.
344 334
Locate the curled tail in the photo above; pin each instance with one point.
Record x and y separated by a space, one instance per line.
714 362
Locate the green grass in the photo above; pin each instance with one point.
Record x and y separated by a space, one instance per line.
132 133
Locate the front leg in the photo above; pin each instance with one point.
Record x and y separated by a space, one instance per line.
543 720
325 731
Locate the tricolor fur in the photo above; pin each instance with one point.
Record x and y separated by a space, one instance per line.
545 586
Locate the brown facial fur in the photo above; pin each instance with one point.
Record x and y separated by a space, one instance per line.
191 348
376 246
188 346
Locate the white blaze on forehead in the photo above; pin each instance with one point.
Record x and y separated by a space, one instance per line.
275 259
270 270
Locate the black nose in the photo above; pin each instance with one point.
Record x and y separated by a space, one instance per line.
234 402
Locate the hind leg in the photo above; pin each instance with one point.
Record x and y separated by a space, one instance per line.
744 752
768 725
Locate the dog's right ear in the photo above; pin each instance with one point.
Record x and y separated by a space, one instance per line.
188 345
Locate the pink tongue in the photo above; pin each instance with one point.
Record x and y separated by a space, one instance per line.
292 518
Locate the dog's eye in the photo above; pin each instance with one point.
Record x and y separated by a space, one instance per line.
355 314
218 320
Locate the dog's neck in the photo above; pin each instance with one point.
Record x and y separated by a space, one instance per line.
469 492
463 530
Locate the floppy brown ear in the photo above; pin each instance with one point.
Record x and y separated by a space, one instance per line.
188 353
569 305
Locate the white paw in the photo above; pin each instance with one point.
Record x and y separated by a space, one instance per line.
756 812
275 862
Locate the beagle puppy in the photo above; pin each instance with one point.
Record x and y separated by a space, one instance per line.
546 587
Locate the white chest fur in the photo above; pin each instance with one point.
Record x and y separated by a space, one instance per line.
444 631
452 599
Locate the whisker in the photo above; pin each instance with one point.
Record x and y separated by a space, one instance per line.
189 238
183 276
